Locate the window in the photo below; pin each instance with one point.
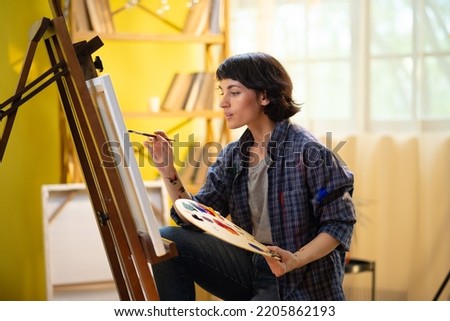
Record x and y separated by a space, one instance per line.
356 64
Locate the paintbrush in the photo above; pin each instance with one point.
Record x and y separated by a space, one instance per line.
147 134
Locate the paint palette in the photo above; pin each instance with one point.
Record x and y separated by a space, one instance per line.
213 222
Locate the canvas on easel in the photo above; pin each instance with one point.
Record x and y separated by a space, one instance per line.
103 94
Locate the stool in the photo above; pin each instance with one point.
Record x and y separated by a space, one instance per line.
359 266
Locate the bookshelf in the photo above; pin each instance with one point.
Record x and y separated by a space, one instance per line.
90 18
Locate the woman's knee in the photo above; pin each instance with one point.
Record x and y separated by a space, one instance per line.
168 232
178 234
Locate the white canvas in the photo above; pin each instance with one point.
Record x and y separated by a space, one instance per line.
102 90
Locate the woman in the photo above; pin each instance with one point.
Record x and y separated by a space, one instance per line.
276 182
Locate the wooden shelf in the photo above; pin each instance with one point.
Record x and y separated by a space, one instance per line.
179 114
133 37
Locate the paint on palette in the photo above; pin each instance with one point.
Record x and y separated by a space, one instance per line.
209 220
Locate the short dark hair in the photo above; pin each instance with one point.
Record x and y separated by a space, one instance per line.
262 73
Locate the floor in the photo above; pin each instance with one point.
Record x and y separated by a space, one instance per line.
88 292
103 292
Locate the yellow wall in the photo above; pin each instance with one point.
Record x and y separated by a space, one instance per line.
138 71
31 158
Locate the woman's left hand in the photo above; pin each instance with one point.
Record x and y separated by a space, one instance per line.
287 263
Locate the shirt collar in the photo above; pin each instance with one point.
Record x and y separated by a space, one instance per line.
278 136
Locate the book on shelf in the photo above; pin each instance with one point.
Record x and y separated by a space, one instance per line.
198 18
191 163
205 98
194 92
106 16
80 12
100 17
214 17
189 92
196 165
178 92
205 161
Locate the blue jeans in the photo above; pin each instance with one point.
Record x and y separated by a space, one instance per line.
223 270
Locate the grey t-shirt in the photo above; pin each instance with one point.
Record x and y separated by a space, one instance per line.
257 199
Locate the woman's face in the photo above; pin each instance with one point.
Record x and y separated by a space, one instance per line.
241 105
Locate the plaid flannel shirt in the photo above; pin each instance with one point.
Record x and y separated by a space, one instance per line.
309 192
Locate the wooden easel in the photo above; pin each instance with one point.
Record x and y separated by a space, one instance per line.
129 252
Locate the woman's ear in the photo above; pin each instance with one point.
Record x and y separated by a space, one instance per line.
263 100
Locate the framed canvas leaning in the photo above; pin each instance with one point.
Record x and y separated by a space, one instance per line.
77 266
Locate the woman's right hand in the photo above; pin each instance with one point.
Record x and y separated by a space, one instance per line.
161 151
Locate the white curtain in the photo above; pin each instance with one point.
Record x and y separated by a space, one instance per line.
402 185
